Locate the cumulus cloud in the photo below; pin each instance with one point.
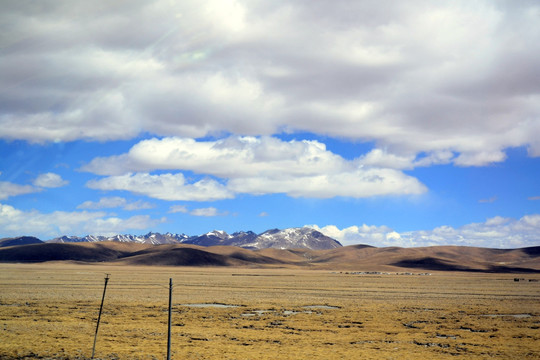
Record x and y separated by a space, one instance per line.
229 157
164 187
115 202
364 234
9 189
50 180
357 184
454 81
15 222
498 232
406 161
250 165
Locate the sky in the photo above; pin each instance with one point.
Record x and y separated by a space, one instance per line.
386 123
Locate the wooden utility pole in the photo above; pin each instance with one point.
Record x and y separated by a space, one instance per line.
99 316
169 328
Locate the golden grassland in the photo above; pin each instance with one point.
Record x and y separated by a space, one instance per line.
50 311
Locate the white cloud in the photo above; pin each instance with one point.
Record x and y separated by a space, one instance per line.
138 205
114 225
230 157
496 232
251 165
415 78
50 180
209 212
381 158
358 184
8 189
165 187
15 222
103 203
178 209
479 158
497 220
115 202
364 234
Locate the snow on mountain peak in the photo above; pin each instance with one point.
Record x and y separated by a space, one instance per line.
274 238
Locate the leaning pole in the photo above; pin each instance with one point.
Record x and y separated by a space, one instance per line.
99 316
169 322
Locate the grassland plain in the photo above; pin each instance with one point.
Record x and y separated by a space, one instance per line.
50 310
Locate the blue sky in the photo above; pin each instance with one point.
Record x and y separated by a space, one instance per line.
407 124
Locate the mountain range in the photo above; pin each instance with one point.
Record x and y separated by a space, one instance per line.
303 238
355 258
291 248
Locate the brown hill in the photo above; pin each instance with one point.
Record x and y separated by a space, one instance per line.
348 258
177 256
21 240
291 256
435 258
195 255
89 252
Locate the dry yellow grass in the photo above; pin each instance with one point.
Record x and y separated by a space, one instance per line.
50 310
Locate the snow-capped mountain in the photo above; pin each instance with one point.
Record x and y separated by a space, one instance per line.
150 238
65 239
281 239
220 237
305 237
293 238
216 237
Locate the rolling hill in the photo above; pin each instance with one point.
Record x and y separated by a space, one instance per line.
348 258
21 240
